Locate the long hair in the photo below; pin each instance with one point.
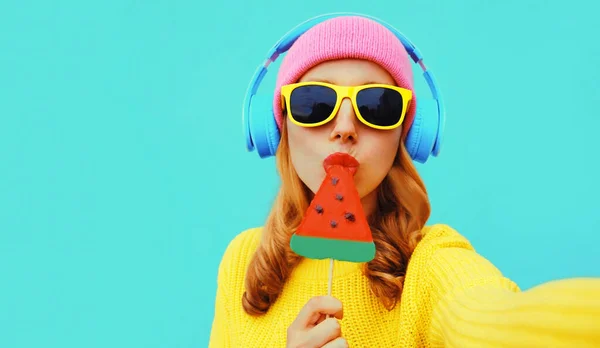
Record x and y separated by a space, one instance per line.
402 211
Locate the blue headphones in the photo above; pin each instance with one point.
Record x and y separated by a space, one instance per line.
261 131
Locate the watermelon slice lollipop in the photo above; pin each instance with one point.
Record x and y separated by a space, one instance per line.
335 225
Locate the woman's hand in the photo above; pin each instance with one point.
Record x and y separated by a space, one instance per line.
312 328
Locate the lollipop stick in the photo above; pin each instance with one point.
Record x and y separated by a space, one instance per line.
330 280
330 276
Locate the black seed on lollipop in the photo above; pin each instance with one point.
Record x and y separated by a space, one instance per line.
349 217
334 181
319 209
333 223
339 197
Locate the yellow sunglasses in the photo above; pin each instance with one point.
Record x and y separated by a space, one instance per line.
312 104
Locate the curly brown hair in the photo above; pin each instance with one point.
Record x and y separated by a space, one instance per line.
403 209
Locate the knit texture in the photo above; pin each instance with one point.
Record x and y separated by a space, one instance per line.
351 37
452 297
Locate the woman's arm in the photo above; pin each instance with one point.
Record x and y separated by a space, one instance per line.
219 335
475 306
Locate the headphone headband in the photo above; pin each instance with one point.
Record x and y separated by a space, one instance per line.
291 36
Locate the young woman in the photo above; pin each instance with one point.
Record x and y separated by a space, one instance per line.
426 286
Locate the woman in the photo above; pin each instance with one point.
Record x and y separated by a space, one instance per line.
426 286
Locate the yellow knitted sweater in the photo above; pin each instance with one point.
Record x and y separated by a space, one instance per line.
452 297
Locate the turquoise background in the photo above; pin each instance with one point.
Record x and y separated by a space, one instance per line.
123 171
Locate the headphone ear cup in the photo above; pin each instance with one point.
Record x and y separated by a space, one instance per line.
263 128
423 133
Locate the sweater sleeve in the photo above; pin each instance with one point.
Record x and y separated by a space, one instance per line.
474 305
226 328
219 335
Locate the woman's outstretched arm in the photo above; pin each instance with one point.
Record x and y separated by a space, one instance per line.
475 306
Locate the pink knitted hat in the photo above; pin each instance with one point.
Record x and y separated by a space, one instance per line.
346 37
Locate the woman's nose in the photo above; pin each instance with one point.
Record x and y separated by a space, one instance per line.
345 125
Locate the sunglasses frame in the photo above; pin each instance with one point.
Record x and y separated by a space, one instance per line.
343 92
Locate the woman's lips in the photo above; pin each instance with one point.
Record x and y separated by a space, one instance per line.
341 159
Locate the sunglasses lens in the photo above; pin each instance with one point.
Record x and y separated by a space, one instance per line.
380 106
312 104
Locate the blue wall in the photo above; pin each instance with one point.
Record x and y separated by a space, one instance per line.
112 223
